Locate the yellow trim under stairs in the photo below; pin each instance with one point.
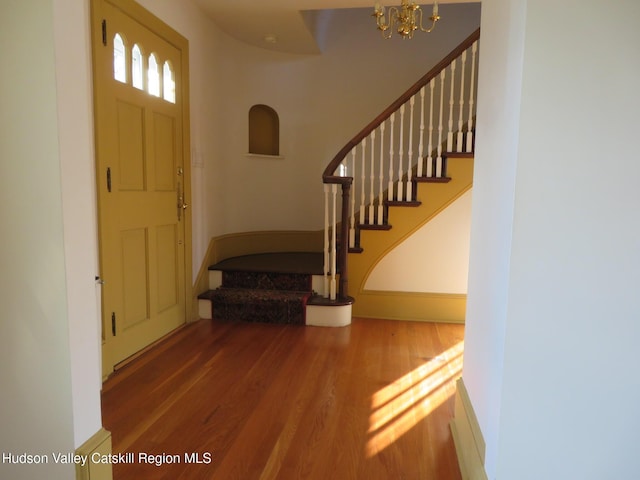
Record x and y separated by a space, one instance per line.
405 221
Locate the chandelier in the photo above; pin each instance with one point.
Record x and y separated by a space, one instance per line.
406 19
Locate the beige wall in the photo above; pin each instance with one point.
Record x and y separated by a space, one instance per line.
434 259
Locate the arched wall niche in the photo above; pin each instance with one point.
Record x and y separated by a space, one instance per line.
264 131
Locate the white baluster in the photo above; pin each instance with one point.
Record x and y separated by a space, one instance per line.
421 144
381 177
451 102
352 219
432 84
400 193
334 252
474 49
390 183
439 147
363 145
327 263
372 177
461 112
410 151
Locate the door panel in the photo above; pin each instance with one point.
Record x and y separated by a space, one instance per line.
131 152
167 261
135 285
164 149
141 183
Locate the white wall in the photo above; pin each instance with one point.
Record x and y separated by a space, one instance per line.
433 259
553 319
498 112
36 411
323 101
75 134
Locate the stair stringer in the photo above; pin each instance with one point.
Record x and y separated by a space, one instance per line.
405 221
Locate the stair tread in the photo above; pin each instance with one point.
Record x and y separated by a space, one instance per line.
432 179
319 300
458 154
310 263
368 226
403 203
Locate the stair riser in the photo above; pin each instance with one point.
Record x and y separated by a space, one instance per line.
328 316
215 279
287 313
315 315
205 309
267 281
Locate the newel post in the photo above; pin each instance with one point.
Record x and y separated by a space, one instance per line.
344 243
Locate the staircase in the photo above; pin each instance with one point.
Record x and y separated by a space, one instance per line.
411 143
418 142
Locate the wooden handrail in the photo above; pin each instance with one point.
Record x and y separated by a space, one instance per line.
328 175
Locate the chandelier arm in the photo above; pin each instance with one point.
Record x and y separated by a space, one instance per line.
393 18
433 18
385 25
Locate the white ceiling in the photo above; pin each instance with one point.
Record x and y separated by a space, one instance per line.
293 23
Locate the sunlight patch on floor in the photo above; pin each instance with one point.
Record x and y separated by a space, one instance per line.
399 406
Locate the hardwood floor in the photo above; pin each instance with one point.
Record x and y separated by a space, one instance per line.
262 401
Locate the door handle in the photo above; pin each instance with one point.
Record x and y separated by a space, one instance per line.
181 205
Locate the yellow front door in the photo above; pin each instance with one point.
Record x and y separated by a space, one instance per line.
140 107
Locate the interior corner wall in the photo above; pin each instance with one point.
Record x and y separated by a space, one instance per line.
575 250
552 321
36 411
498 112
77 160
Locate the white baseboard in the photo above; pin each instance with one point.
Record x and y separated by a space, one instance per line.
467 436
94 448
328 315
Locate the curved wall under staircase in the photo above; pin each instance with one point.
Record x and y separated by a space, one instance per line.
434 259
